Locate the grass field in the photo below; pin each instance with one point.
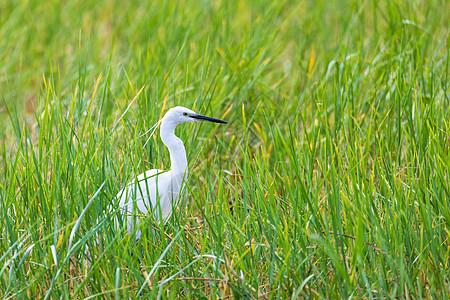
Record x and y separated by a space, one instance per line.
331 180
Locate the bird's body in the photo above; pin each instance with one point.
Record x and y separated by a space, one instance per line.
155 191
151 188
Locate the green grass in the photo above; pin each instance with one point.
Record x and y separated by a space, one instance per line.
331 180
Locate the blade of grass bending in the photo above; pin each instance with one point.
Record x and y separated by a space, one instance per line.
300 288
25 255
158 262
77 224
126 110
72 234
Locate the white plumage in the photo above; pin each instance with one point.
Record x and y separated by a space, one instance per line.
155 191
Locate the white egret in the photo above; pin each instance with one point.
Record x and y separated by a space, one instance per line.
157 191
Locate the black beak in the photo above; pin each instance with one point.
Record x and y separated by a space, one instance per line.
209 119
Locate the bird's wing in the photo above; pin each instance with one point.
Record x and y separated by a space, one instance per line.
139 196
173 185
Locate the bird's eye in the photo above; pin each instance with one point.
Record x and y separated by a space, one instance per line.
185 114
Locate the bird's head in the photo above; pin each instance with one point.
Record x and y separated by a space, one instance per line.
179 114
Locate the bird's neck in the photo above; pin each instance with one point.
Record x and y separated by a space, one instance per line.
176 147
